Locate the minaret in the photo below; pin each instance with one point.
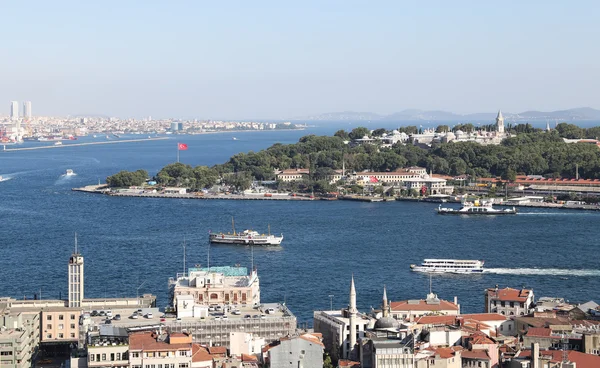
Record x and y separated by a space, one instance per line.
352 318
385 305
75 278
500 122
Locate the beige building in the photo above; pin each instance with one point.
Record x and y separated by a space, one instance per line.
434 185
293 175
60 324
19 339
217 286
151 350
105 352
410 310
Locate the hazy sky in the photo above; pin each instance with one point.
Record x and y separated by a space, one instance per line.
281 59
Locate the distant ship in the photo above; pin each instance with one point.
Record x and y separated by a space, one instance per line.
69 173
59 143
449 266
234 138
49 138
476 208
246 237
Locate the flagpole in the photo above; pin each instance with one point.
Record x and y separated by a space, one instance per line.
177 152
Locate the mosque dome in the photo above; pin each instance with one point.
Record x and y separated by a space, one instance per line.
384 323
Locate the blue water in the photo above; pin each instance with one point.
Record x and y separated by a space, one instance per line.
127 241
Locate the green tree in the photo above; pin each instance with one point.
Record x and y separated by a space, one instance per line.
442 129
240 181
327 361
359 132
124 179
205 177
342 134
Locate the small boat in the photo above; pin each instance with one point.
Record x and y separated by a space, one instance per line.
449 266
3 179
234 138
476 208
59 143
246 237
69 173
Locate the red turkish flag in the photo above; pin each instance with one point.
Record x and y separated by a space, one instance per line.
182 146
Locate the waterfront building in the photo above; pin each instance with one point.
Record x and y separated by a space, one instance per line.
433 184
293 175
342 328
19 339
60 325
509 302
27 110
305 350
217 286
410 310
14 110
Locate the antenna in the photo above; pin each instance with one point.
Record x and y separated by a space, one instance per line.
430 283
76 243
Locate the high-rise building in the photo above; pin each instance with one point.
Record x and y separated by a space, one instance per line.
27 110
14 110
75 278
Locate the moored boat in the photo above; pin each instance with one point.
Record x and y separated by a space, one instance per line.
449 266
476 208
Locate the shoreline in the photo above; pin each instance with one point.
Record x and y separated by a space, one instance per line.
103 189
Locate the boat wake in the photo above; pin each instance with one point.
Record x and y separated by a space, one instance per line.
5 178
542 271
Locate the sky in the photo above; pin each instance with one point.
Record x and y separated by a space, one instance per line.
283 59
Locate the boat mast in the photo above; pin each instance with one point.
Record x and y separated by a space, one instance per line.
269 226
233 225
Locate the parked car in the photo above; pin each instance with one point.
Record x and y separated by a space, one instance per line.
149 315
117 317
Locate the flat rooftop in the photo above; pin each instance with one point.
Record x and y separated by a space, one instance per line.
245 313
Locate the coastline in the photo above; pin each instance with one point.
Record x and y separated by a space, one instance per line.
103 189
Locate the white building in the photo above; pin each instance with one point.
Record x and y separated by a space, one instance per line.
410 310
508 301
14 110
27 110
305 350
217 286
75 278
434 185
245 343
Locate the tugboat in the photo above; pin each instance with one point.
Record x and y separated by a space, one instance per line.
476 208
246 237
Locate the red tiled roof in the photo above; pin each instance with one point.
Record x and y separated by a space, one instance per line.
479 338
312 338
437 320
347 363
509 294
475 354
200 354
249 358
582 360
146 341
445 353
422 306
539 332
217 350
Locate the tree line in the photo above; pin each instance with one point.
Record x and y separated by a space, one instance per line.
531 152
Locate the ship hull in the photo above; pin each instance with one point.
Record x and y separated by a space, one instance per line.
477 213
265 242
445 270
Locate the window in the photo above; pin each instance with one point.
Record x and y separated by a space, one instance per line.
512 304
60 336
509 327
183 353
118 356
61 317
48 318
49 336
72 335
135 355
5 352
112 357
501 328
49 326
183 365
503 304
92 356
97 357
72 325
479 364
72 317
61 326
150 354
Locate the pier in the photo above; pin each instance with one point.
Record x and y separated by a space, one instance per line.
83 144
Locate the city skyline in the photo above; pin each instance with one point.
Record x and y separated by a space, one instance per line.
275 60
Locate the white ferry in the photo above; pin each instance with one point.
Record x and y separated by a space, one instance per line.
448 266
246 237
476 208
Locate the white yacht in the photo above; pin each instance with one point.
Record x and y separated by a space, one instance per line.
449 266
476 208
246 237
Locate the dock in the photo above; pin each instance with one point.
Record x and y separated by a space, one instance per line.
83 144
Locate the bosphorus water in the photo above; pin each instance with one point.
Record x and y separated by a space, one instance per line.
127 241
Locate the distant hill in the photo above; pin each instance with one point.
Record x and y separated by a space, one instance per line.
581 113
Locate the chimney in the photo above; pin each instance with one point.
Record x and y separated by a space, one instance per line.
535 355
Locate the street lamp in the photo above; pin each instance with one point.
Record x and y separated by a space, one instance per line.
331 301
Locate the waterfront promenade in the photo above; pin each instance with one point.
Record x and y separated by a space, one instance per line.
82 144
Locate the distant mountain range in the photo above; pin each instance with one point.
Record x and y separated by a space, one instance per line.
581 113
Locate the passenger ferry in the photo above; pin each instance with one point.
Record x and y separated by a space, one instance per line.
448 266
476 208
246 237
